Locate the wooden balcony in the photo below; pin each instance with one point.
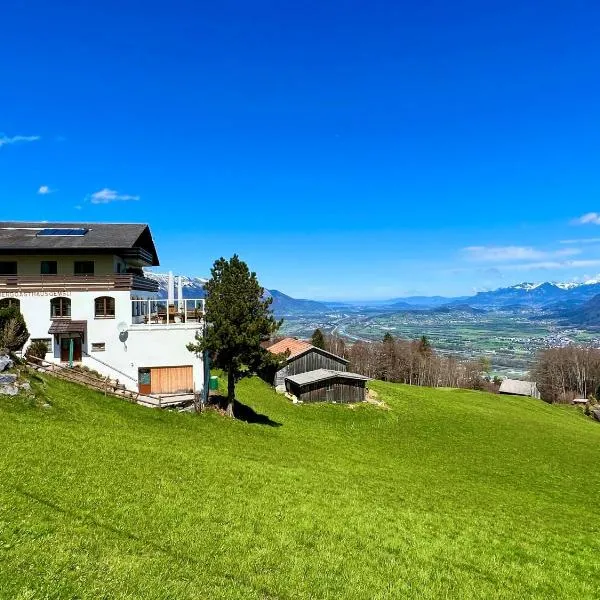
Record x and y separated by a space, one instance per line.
20 284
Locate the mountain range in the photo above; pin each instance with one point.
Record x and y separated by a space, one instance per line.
562 298
283 305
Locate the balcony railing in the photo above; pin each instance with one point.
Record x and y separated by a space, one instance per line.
76 283
152 312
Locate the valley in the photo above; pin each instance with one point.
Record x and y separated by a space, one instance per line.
508 326
509 339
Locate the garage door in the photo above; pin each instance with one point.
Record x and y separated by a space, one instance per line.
171 380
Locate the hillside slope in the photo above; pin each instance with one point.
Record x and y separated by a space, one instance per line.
446 494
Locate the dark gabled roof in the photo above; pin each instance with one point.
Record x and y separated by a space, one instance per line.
323 375
22 237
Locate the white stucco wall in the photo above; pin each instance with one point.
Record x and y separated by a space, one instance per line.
144 346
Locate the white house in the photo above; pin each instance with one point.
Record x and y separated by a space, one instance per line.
81 289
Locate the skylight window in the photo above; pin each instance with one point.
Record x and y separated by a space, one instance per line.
71 231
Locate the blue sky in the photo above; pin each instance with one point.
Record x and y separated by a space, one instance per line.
343 149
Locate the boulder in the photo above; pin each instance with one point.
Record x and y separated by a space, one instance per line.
8 379
596 414
5 362
8 390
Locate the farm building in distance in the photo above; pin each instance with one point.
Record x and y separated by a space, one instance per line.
303 357
323 385
516 387
313 375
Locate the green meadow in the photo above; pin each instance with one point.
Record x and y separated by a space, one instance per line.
439 494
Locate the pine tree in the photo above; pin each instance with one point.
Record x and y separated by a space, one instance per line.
238 319
424 346
318 339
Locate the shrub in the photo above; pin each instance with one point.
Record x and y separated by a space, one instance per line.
13 330
37 349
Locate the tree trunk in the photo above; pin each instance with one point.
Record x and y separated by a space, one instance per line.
230 393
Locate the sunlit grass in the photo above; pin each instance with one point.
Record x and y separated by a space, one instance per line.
447 494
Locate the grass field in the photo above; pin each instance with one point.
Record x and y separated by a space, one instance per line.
448 494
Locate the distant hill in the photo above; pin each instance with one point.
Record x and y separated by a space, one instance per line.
586 315
424 301
283 305
456 308
286 305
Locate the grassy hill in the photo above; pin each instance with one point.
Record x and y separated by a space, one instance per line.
446 494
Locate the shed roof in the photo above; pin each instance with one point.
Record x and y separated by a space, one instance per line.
297 347
67 326
322 375
17 236
517 387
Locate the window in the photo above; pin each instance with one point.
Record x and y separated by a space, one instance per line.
8 267
98 346
47 341
60 308
48 267
329 387
6 302
83 267
62 231
104 307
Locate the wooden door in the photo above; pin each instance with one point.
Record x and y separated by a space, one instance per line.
65 344
77 349
64 349
172 380
144 381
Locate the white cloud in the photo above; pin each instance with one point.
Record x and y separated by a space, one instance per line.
591 218
15 139
106 196
553 264
582 241
44 189
513 253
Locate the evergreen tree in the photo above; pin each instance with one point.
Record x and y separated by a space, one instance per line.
238 320
13 329
318 339
424 346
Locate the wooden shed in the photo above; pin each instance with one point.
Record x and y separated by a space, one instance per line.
324 385
303 357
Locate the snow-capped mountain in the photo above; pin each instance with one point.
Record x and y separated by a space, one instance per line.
193 287
283 305
543 294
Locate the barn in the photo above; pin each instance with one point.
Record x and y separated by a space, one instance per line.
324 385
301 358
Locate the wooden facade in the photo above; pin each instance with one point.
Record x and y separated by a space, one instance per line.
75 283
340 389
171 380
311 360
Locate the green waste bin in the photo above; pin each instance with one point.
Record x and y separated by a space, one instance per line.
213 383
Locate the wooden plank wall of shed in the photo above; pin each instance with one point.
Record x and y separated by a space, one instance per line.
310 361
342 391
314 360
